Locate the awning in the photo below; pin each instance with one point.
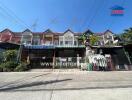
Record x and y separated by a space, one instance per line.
8 45
39 47
70 46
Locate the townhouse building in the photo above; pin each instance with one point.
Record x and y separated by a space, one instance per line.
50 49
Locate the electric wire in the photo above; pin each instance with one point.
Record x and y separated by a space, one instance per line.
99 8
11 15
87 17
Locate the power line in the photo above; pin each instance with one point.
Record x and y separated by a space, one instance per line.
9 13
96 12
90 7
98 8
34 25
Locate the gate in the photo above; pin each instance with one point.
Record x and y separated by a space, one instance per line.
66 62
41 62
58 62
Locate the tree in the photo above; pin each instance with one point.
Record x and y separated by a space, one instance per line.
127 36
93 39
89 37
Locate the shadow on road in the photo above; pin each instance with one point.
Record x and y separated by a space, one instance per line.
32 84
23 79
17 89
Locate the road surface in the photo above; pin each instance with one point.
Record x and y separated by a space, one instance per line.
66 85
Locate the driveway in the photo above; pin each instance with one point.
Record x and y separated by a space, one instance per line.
66 85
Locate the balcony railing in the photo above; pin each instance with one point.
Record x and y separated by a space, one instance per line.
47 46
70 46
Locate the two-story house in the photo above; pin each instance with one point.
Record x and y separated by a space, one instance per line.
54 47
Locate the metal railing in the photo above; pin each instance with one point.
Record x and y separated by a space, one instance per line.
59 62
53 46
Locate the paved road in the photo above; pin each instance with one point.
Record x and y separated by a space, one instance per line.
66 86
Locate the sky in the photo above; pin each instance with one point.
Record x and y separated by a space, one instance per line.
60 15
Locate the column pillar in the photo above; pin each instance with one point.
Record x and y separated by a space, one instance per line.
0 37
31 38
73 41
103 40
10 38
53 60
43 39
78 60
63 40
59 42
53 39
112 38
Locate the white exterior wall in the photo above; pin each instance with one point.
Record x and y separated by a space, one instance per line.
107 35
69 37
60 39
105 38
36 40
27 37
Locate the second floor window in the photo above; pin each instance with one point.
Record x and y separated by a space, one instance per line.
56 42
48 42
68 42
26 42
61 42
36 42
75 42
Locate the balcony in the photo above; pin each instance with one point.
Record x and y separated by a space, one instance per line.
44 46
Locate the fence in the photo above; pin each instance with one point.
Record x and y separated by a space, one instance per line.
59 62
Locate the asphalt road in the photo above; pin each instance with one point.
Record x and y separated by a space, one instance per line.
66 86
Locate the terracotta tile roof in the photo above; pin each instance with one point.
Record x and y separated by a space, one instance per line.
5 30
48 31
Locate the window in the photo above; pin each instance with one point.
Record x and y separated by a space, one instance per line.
35 42
48 42
61 42
75 42
110 37
66 42
56 42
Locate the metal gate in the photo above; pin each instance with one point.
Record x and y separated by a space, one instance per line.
66 62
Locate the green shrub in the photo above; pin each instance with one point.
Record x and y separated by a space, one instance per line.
10 55
8 66
1 67
1 57
21 67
